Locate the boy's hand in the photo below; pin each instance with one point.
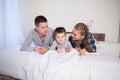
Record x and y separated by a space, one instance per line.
67 49
59 50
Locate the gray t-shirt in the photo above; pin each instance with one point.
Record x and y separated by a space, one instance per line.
66 45
33 37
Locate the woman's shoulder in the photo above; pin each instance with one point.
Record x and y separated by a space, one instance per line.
70 37
90 35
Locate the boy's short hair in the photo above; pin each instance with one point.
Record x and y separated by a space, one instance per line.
59 30
39 19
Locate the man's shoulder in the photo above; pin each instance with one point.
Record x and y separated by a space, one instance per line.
32 31
50 32
50 29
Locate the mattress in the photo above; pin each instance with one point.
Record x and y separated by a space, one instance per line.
11 61
53 66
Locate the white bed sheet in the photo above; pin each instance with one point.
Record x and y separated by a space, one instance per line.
27 65
88 67
112 49
11 62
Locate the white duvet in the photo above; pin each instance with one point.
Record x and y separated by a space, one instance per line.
55 66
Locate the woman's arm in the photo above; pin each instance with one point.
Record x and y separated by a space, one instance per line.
92 42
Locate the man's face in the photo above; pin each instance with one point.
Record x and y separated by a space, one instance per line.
60 38
76 35
42 28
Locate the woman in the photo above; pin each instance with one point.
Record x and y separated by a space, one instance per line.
82 40
41 36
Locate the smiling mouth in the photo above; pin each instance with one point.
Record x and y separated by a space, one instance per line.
45 32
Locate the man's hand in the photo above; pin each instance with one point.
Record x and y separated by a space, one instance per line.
41 50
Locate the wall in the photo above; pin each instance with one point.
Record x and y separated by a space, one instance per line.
26 16
104 14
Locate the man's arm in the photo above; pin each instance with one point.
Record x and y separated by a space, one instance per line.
26 45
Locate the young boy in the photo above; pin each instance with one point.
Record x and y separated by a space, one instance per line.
61 44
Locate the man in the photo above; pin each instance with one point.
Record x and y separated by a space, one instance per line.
41 36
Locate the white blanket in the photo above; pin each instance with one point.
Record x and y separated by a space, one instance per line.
38 65
71 66
55 66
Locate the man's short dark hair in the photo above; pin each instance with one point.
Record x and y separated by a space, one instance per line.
40 19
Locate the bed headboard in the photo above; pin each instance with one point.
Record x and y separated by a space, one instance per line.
98 36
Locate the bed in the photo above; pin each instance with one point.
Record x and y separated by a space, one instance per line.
102 65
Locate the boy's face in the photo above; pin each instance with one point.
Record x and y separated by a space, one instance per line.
76 35
60 38
42 28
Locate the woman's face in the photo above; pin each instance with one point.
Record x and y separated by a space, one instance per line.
42 28
76 35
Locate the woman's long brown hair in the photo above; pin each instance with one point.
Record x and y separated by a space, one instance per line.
84 32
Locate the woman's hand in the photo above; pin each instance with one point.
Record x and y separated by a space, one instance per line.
78 49
81 51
